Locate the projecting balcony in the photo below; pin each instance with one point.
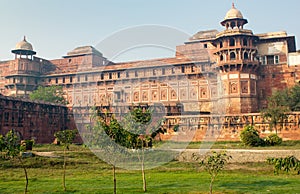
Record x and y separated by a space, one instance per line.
22 73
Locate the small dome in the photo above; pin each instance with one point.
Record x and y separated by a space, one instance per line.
233 13
24 48
24 45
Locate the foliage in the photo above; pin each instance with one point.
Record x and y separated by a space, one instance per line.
10 145
213 164
249 136
275 113
294 98
273 139
286 164
65 137
52 94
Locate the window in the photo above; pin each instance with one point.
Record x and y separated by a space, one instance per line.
71 79
49 80
78 78
118 74
205 45
232 56
221 44
86 78
231 42
246 56
109 76
276 59
221 58
270 59
101 76
163 71
262 60
182 69
21 80
64 80
245 42
56 80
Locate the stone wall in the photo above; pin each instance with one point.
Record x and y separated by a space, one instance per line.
33 120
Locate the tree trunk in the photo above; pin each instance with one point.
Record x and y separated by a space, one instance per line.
211 185
64 173
26 176
143 172
115 180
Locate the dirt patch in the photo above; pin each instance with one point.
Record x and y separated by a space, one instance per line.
46 154
240 155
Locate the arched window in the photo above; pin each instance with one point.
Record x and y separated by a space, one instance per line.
246 56
231 42
232 24
232 56
245 42
221 44
221 58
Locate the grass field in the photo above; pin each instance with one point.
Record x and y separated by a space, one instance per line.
88 174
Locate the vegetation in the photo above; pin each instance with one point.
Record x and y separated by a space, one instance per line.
88 175
286 164
279 104
65 137
52 94
250 137
213 164
273 139
10 146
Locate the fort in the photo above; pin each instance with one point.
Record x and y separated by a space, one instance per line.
216 83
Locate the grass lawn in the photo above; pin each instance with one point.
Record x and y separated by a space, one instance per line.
87 174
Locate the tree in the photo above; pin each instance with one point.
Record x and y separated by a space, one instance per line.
294 98
141 132
10 145
277 108
53 94
249 136
105 137
213 164
65 137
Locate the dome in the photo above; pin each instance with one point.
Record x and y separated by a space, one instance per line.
233 13
24 45
24 48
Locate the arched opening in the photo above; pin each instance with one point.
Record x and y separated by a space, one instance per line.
221 58
246 55
231 42
232 56
232 24
245 42
221 44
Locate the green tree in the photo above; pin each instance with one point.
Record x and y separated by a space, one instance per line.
106 137
294 98
10 145
65 137
141 133
53 94
249 136
275 113
213 164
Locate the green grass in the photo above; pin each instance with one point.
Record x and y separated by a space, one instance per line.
289 145
87 174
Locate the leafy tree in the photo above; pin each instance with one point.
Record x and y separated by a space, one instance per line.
139 123
277 108
53 94
10 145
65 137
106 136
213 164
294 98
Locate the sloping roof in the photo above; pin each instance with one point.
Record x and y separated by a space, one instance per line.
83 50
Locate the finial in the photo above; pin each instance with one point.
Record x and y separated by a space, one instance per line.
233 5
24 38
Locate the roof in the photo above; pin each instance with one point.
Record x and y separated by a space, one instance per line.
24 48
233 13
204 35
83 50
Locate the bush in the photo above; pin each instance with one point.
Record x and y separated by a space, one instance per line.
249 136
273 139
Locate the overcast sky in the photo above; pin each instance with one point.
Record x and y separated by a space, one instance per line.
55 27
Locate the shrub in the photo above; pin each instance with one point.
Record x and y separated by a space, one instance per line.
273 139
249 136
286 164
